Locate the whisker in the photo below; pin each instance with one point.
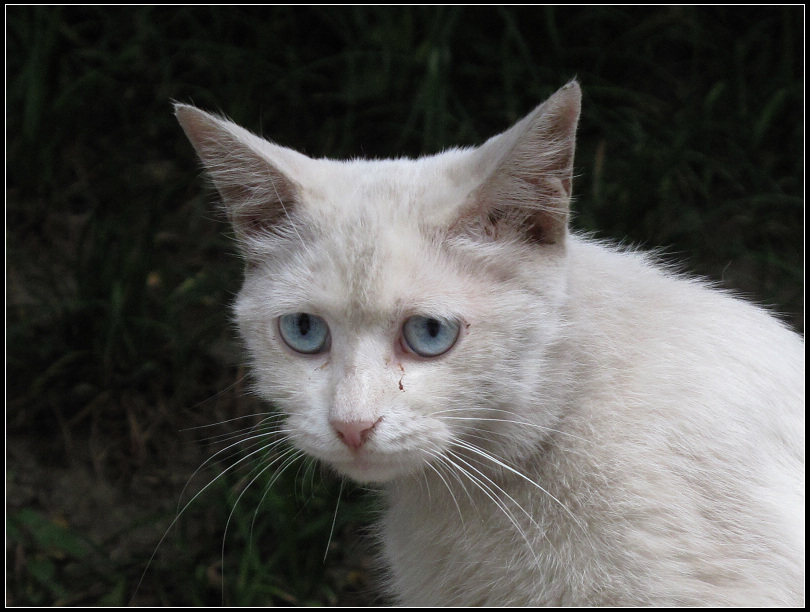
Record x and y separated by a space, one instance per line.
493 497
265 414
293 455
498 462
181 511
511 421
218 394
264 426
226 449
440 458
236 503
334 520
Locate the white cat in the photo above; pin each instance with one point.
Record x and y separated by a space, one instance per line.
553 420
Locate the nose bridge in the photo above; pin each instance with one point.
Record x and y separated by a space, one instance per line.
358 385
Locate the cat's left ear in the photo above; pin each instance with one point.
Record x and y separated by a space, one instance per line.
528 174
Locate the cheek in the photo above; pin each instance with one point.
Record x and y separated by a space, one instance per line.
293 384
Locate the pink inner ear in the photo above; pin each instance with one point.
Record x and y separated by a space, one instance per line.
528 173
536 208
265 199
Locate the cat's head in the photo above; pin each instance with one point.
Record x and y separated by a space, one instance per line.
402 312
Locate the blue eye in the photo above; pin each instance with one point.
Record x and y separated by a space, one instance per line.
429 337
304 333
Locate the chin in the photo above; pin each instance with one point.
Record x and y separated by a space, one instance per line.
375 470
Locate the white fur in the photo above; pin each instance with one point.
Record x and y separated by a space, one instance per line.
604 431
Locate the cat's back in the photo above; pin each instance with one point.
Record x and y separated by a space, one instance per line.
658 321
694 402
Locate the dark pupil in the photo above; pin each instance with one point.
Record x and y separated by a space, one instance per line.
433 327
303 324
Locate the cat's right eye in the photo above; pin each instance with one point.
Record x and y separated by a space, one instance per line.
304 333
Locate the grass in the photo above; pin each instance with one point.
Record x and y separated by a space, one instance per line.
120 269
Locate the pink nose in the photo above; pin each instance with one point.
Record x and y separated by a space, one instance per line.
354 433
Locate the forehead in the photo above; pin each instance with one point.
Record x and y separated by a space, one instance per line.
366 268
425 192
368 243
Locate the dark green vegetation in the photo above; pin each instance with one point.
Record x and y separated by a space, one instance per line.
120 269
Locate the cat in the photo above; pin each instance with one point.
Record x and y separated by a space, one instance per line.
552 420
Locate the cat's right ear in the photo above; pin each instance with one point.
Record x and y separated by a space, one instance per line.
252 175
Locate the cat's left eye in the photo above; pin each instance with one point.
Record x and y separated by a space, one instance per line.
304 333
429 337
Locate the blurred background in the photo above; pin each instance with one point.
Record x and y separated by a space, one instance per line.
120 354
